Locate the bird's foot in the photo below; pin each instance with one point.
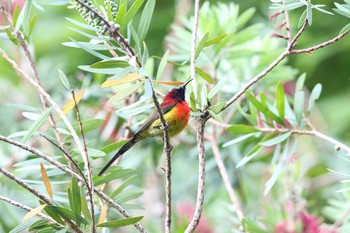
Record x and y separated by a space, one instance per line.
169 149
166 126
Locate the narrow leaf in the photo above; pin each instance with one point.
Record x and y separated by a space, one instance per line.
244 129
300 82
66 213
309 13
264 109
113 146
34 212
46 180
122 94
75 196
217 87
204 75
302 19
171 83
215 116
31 24
64 79
37 124
88 125
103 214
70 104
345 29
299 105
121 223
246 159
215 40
276 140
201 44
280 100
110 64
125 184
315 94
119 173
133 10
239 139
145 19
162 65
126 79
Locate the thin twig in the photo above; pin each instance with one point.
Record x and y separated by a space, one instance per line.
319 46
28 209
50 100
38 195
73 174
201 176
90 184
226 180
338 145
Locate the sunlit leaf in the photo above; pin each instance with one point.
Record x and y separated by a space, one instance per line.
37 124
215 116
171 83
34 212
204 75
113 146
70 104
276 140
345 29
244 129
46 180
122 94
126 79
88 125
215 40
302 19
145 20
110 64
121 222
133 10
31 24
217 87
103 214
201 44
309 13
239 139
120 173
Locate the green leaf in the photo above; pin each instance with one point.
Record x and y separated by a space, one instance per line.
133 10
89 50
239 139
309 13
245 16
100 71
110 64
145 20
215 40
162 65
16 12
217 87
280 138
246 159
75 192
64 79
201 44
31 24
23 226
121 222
37 124
82 25
128 195
119 173
122 94
204 75
125 184
10 36
94 153
299 99
53 215
244 129
66 213
218 107
345 29
113 146
84 208
23 14
120 18
315 94
264 109
90 45
280 100
88 125
193 102
215 116
302 19
300 82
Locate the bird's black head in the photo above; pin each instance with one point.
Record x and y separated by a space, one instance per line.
177 93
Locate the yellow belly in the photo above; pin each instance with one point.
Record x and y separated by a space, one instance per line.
176 121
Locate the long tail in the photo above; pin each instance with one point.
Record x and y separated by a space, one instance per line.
121 151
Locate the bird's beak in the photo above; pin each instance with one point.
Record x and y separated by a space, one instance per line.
185 84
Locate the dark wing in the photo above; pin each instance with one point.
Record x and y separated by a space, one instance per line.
154 116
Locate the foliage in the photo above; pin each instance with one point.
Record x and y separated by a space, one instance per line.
262 138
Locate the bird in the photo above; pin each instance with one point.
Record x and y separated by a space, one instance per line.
176 113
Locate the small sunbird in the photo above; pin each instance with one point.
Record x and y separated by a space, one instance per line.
176 113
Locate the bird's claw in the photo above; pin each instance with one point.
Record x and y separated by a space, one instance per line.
166 126
169 149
